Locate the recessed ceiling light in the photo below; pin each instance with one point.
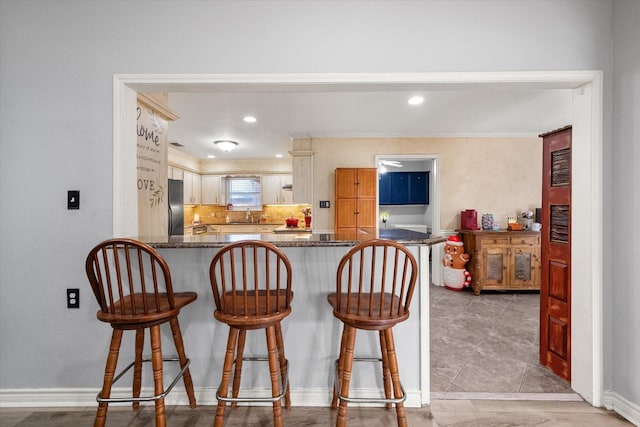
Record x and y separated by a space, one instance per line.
416 100
211 156
250 119
278 155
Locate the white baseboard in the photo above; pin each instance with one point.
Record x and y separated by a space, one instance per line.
55 398
614 402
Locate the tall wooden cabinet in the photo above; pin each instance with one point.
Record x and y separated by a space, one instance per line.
504 260
356 201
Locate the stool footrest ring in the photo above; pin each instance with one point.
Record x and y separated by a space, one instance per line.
336 386
144 398
283 387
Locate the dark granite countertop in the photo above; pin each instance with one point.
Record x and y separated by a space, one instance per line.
406 237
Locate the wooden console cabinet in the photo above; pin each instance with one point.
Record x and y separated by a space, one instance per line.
503 260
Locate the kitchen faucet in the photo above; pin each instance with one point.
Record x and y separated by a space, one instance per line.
247 217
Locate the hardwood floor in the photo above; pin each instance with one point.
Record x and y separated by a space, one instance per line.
477 413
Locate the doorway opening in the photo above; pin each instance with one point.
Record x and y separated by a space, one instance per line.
587 193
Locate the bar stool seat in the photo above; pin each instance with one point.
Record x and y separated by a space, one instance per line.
251 284
374 285
132 284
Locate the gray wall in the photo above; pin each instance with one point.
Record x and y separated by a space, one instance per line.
622 201
57 59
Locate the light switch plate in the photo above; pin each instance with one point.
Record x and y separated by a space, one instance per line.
324 203
73 199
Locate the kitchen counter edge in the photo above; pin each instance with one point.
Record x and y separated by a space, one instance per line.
408 238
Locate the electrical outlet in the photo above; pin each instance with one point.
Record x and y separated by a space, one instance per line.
73 298
324 203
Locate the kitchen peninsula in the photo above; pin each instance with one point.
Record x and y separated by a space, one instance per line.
311 333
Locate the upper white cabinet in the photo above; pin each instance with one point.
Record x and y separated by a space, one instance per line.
175 173
212 190
276 189
192 188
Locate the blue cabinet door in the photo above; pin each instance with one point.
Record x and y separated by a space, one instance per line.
384 189
403 188
418 188
399 188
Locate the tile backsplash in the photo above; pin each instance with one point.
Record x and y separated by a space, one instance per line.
273 214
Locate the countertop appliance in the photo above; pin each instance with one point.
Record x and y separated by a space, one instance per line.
176 207
469 220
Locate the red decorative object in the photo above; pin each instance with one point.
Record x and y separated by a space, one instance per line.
292 222
307 221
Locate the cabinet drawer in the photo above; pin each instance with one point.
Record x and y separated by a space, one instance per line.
495 240
238 229
524 240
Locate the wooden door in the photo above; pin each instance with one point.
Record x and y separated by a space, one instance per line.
494 266
555 253
367 183
524 267
346 183
366 215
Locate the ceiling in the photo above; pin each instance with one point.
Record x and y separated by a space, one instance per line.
284 112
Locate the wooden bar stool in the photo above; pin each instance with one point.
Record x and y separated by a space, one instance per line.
132 284
251 283
374 286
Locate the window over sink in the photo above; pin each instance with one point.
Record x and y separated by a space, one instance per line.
244 192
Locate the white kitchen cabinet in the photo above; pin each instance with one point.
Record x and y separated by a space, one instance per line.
266 228
273 192
212 190
214 229
248 228
191 188
175 173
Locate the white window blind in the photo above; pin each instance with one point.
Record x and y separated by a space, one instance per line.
244 192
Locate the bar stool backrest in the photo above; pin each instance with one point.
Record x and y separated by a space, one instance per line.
375 281
251 278
120 268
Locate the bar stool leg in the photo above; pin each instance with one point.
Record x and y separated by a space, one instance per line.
341 420
238 371
386 377
156 362
272 349
395 377
226 375
186 376
110 368
137 367
283 365
343 341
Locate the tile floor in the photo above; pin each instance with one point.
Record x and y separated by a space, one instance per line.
487 343
468 413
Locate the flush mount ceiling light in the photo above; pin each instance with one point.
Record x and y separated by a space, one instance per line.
226 145
250 119
415 100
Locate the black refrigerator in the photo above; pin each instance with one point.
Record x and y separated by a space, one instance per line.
176 208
